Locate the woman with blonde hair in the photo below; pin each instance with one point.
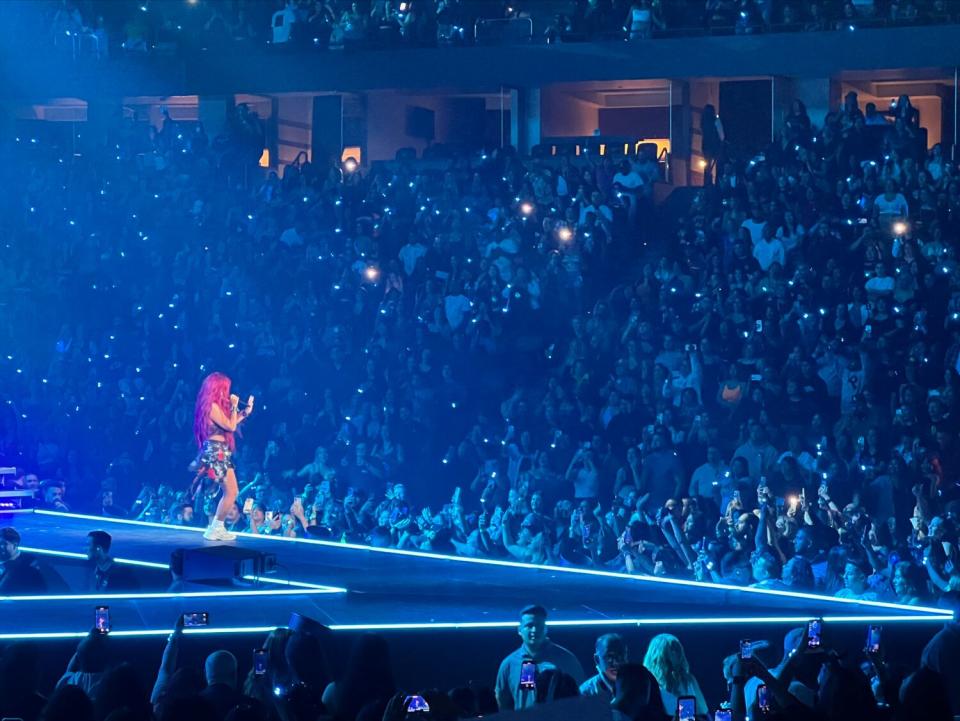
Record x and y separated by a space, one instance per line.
666 660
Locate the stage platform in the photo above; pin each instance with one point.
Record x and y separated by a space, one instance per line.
351 588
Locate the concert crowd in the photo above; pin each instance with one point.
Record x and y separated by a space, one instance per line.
101 29
511 358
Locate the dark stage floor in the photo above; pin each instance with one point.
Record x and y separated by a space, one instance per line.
393 589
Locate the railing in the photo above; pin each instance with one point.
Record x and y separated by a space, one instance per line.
498 31
80 44
485 31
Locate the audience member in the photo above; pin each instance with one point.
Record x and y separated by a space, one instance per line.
19 574
537 648
610 655
105 573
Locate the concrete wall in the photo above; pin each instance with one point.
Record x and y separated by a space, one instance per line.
293 127
456 120
564 115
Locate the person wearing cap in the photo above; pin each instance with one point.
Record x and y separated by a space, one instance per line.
18 573
539 649
610 654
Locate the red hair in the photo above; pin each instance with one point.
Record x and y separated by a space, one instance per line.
215 390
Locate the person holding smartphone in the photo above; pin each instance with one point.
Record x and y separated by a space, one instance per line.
797 669
537 648
668 663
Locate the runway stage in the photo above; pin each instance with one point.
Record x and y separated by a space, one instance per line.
351 588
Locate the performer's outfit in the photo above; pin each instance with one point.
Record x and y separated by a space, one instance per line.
211 465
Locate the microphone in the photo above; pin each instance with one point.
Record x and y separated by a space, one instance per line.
242 404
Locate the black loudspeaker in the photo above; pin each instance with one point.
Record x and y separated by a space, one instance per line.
225 564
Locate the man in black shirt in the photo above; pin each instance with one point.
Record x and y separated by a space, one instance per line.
18 573
107 575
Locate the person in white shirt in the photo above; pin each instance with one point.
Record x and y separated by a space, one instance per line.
755 225
708 479
880 282
597 207
891 205
688 375
629 184
410 254
769 250
282 23
456 306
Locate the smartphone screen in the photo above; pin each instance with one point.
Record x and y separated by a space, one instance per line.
746 649
248 506
260 662
101 619
723 714
528 675
814 633
686 708
417 704
193 619
873 639
763 698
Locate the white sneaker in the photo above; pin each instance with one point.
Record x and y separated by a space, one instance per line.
218 532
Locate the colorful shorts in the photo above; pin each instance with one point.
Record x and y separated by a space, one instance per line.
212 463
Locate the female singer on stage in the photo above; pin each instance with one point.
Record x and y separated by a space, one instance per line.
216 418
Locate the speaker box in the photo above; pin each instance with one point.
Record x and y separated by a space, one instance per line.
225 564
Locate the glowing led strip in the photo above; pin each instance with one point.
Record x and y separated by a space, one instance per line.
185 594
296 588
54 635
83 557
705 621
481 625
914 610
